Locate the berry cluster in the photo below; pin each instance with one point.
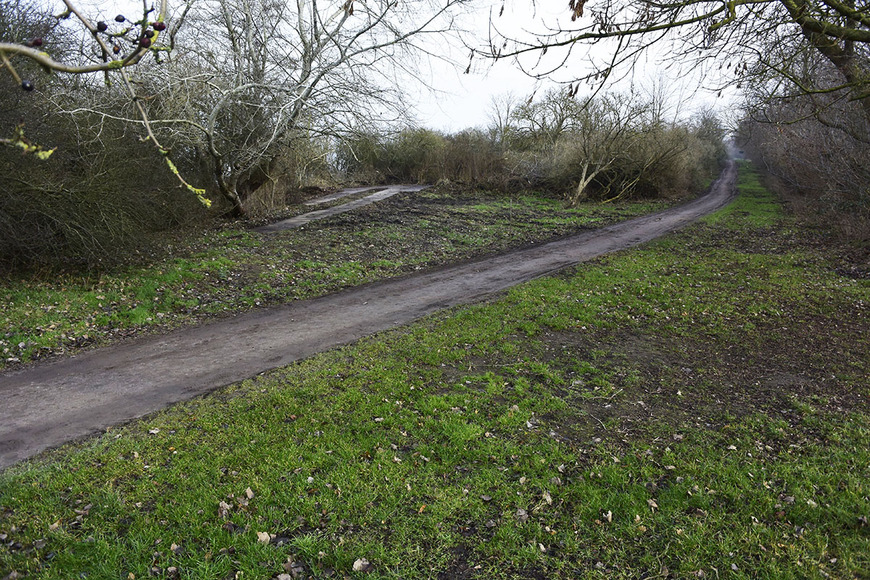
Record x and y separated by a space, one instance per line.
139 34
141 39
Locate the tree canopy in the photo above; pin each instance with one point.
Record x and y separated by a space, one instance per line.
777 47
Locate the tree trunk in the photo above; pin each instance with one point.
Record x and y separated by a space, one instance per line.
228 192
580 191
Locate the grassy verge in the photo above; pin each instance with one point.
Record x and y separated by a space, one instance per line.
693 408
233 270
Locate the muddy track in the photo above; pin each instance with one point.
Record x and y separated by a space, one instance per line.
48 404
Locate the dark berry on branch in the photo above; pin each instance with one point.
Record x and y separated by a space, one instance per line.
116 49
159 25
120 18
102 26
149 33
145 42
36 42
27 85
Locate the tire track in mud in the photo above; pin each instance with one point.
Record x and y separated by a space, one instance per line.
49 404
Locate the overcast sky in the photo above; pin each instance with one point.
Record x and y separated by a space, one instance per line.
462 101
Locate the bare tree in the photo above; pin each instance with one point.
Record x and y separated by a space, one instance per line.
501 111
600 135
246 79
541 122
272 73
764 39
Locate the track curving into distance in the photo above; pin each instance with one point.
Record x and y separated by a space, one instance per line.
48 404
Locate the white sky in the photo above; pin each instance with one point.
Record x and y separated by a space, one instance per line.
462 101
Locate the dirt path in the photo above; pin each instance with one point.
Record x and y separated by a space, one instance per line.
301 220
49 404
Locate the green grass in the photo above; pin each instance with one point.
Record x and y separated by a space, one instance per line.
698 404
756 207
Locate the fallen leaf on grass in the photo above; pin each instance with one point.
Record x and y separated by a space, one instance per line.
548 498
264 537
224 509
362 565
652 504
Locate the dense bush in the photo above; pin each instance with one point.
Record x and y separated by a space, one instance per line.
91 203
101 192
412 155
609 148
817 154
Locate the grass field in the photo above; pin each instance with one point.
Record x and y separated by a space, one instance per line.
697 407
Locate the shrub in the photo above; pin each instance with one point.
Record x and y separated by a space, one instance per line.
93 201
